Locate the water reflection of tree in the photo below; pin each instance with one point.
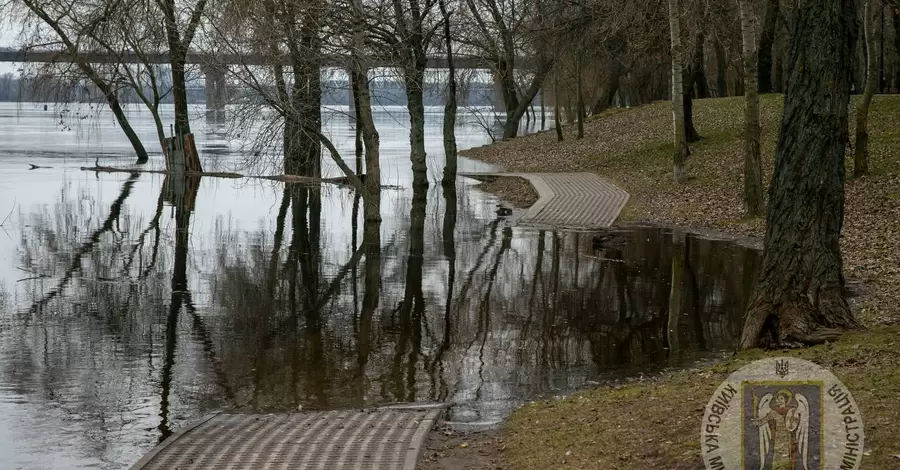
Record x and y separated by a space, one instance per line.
456 305
108 339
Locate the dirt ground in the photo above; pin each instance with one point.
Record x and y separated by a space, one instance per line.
516 191
446 449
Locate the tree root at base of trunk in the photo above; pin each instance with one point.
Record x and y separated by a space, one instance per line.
796 322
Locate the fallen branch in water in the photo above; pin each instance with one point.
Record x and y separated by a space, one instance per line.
222 174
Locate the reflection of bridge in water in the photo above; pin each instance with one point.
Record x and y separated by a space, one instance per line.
214 67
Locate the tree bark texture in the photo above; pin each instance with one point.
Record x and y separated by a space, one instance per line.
415 104
450 105
800 295
680 150
579 98
861 154
693 75
359 69
766 41
896 20
753 190
721 71
557 119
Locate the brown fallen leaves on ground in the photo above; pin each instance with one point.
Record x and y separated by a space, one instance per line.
517 191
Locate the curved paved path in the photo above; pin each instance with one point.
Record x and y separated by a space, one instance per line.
377 439
578 201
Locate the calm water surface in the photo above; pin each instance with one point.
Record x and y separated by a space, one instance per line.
116 327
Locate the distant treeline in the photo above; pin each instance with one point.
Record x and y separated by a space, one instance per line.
334 92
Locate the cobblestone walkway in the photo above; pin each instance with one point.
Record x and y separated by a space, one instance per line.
378 439
577 201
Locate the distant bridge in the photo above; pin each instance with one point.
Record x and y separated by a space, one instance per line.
204 59
214 66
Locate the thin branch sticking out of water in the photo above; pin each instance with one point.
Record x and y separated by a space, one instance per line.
6 219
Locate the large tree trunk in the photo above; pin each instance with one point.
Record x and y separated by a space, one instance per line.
861 156
896 19
113 100
359 69
766 40
690 132
450 105
608 88
753 196
693 75
557 119
579 99
800 295
179 95
721 70
515 108
680 149
415 104
696 74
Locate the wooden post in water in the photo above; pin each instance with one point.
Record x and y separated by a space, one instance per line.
181 154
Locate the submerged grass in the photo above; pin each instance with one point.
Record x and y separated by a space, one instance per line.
655 424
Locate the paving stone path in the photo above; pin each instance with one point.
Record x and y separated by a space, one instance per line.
575 201
376 439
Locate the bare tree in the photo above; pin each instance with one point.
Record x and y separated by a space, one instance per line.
505 33
73 25
407 34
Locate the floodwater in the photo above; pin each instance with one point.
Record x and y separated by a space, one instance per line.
123 317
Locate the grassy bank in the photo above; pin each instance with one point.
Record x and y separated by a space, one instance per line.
656 424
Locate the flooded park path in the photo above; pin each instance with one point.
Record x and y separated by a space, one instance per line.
126 313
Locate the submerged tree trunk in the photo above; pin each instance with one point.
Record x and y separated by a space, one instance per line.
680 148
753 196
359 70
450 105
179 96
766 41
800 295
861 155
415 103
113 100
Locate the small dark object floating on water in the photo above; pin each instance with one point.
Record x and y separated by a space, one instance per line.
607 240
35 167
